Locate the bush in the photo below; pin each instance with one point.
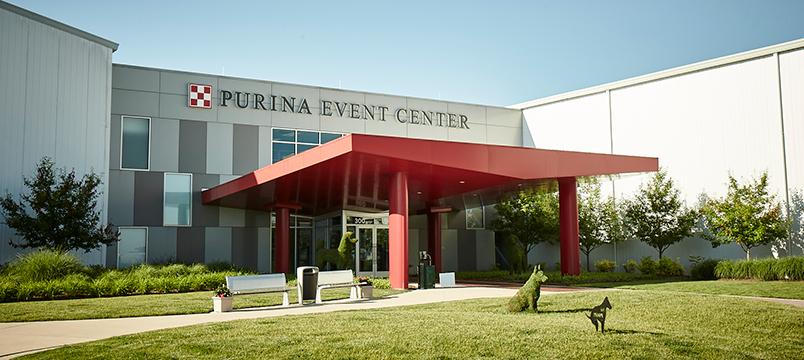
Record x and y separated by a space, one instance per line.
703 269
44 265
669 267
647 266
630 266
604 266
787 268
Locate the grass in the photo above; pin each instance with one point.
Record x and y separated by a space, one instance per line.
144 305
778 289
643 324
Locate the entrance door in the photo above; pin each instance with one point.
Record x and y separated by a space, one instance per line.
372 251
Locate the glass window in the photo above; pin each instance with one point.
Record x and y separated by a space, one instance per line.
327 137
131 247
475 214
308 137
134 144
302 148
178 199
280 151
284 135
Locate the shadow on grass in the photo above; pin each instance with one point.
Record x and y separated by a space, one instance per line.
565 311
630 332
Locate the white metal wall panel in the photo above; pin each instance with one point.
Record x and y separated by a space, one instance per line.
704 126
792 84
579 124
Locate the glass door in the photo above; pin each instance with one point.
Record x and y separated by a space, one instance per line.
365 250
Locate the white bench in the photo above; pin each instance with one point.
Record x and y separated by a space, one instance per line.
337 279
256 284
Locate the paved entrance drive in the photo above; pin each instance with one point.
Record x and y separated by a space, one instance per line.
23 338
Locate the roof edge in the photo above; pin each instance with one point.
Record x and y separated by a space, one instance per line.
58 25
668 73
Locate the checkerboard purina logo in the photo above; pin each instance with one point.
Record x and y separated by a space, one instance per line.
199 96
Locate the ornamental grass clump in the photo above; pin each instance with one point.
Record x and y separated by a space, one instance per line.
787 268
44 265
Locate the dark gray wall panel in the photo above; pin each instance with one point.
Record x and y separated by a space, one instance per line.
111 256
257 218
148 189
246 156
467 250
114 143
190 245
193 146
161 245
244 247
164 145
121 197
204 215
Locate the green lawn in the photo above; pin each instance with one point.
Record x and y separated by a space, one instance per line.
642 324
778 289
143 305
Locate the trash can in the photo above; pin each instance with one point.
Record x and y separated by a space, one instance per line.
306 282
426 271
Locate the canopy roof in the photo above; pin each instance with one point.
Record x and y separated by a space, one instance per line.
353 172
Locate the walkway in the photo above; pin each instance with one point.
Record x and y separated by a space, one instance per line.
26 337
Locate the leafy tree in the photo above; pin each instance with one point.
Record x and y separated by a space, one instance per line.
748 215
529 218
63 212
657 215
599 220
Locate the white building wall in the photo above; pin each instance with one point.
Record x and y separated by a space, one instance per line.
792 84
701 125
54 101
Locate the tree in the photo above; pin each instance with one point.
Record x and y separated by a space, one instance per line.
748 215
657 216
529 218
599 221
63 212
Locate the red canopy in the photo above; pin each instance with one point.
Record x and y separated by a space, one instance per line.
354 171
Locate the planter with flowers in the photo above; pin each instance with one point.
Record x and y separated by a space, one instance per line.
367 290
222 299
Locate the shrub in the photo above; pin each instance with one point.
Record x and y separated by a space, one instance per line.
604 265
630 266
381 283
647 266
669 267
703 269
788 268
44 265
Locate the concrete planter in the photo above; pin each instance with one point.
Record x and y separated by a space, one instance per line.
222 304
367 292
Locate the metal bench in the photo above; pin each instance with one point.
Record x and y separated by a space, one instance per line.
257 284
337 279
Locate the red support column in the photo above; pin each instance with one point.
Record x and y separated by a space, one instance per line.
282 240
568 226
434 238
398 231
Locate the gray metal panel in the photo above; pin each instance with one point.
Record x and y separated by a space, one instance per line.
204 215
164 145
486 256
217 245
257 218
161 245
128 78
13 69
244 247
190 245
219 148
232 217
139 103
246 155
114 142
42 83
148 191
121 197
111 256
263 250
467 250
193 147
71 108
449 250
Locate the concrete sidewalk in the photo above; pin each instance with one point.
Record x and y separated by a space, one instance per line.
23 338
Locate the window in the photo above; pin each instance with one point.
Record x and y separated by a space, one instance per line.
178 199
475 214
131 247
135 142
287 142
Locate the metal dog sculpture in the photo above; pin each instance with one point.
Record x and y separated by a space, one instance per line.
598 315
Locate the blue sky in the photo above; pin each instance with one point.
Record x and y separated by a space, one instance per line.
492 52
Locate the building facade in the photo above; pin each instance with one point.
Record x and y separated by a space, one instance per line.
159 138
